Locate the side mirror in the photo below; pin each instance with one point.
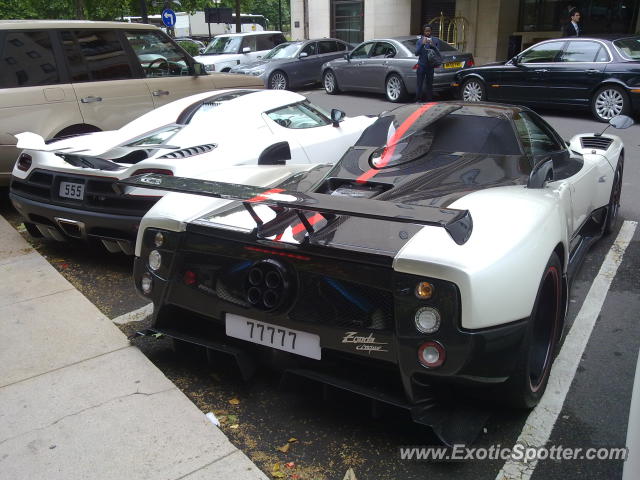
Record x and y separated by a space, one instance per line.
541 173
246 50
276 154
347 57
516 60
337 116
303 55
621 122
198 69
201 50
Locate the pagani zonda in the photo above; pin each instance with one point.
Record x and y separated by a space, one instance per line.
438 251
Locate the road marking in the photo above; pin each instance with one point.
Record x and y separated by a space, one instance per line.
539 424
135 316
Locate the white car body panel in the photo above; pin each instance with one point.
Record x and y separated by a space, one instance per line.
507 252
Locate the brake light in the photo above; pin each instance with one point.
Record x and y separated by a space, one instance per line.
157 171
470 63
415 67
24 162
276 252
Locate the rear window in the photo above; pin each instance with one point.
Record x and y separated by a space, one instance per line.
444 46
27 60
629 47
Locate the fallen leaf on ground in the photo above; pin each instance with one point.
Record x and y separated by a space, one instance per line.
21 228
292 440
235 426
234 401
290 465
276 472
284 448
232 418
350 475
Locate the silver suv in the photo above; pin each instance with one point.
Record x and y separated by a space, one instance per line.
61 78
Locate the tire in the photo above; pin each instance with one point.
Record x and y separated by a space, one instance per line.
608 102
529 379
614 199
473 90
278 80
394 88
330 82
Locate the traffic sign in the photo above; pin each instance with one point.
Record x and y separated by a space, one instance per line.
168 18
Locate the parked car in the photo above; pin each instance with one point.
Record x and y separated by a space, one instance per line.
416 263
62 78
294 64
591 73
227 51
63 189
389 66
191 45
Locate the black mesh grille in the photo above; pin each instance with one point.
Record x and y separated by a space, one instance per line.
599 143
328 301
189 152
99 195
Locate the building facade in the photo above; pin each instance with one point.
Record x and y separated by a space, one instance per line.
490 29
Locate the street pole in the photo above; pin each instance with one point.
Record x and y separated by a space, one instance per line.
280 15
238 20
143 11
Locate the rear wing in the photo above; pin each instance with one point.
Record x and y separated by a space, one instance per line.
457 223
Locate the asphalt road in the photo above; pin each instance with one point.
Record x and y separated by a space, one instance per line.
338 433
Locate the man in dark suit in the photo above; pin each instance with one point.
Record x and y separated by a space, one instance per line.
572 29
427 49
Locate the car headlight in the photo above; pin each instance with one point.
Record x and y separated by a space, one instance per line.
155 260
427 320
210 68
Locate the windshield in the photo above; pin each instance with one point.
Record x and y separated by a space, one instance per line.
411 45
223 45
629 47
284 50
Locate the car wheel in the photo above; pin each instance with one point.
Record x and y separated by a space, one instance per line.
614 201
395 89
330 82
278 81
473 91
529 379
608 102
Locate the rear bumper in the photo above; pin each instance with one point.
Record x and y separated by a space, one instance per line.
118 230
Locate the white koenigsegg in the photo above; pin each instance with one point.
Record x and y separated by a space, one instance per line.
64 188
438 251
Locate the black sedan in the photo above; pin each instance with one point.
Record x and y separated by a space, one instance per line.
596 73
294 64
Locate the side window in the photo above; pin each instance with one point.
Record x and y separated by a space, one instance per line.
265 42
584 51
278 38
249 41
342 46
27 60
157 55
362 51
536 138
545 53
103 54
327 46
383 49
309 49
299 115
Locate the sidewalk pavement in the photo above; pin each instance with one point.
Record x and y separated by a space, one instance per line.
77 401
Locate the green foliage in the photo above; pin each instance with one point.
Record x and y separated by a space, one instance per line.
191 48
114 9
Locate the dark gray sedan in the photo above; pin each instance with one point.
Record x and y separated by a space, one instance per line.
388 66
294 64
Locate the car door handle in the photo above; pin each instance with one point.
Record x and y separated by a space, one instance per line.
592 71
91 99
159 93
541 70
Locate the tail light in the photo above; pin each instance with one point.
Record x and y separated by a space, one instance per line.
431 354
415 67
157 171
470 63
24 162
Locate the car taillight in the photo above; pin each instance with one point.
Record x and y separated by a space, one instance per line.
157 171
24 162
415 67
470 63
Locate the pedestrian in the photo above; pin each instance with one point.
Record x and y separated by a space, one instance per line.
572 29
428 53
